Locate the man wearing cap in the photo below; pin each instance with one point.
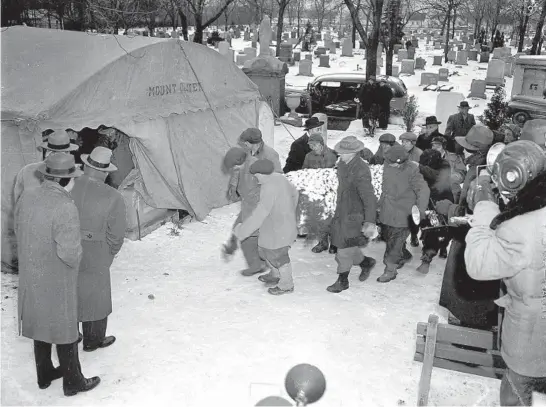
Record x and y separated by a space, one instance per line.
321 156
237 159
458 125
424 141
102 223
403 187
535 131
29 176
367 98
408 141
386 141
354 219
275 217
47 227
252 141
300 147
456 164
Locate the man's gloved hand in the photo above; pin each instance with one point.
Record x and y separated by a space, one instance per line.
232 193
369 230
442 207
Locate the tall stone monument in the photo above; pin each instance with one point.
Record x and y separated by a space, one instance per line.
268 72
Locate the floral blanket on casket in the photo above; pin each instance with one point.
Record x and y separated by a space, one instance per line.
318 196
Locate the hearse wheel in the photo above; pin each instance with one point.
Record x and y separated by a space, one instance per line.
520 118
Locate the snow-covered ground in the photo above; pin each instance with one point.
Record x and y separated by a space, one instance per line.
192 331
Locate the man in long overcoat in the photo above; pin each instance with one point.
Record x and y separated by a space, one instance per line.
424 140
103 222
355 215
48 239
29 176
300 147
403 187
458 125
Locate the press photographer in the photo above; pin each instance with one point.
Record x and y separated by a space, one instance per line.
511 245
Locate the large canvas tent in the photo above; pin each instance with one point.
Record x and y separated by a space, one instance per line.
181 104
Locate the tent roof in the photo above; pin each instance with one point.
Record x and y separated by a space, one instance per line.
69 76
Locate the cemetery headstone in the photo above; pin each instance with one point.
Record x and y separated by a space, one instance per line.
251 52
223 48
498 53
447 104
415 43
451 55
285 36
408 67
241 59
397 48
347 49
411 53
495 73
437 46
402 54
246 36
460 47
293 34
477 89
297 56
305 68
333 48
484 56
324 61
443 75
437 60
285 52
309 57
429 78
395 71
420 63
473 55
462 57
320 51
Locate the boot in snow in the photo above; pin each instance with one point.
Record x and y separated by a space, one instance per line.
252 271
280 291
387 276
406 258
320 247
342 283
366 266
424 268
333 249
443 253
269 278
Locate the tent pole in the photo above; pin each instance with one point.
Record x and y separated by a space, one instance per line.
138 223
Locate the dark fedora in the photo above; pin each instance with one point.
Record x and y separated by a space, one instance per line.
313 123
60 166
464 103
431 120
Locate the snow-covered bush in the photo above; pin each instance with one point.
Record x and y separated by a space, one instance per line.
410 112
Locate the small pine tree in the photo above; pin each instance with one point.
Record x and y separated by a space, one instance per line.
410 112
496 113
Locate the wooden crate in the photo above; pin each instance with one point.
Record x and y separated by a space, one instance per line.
462 349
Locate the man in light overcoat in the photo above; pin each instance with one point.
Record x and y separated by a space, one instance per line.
49 249
103 222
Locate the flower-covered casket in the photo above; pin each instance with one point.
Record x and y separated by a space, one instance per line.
318 196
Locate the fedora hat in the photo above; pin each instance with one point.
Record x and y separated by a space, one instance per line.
60 166
99 159
464 103
59 141
431 120
313 123
349 145
478 137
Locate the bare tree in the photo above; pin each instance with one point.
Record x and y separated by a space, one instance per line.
280 23
535 49
321 9
197 9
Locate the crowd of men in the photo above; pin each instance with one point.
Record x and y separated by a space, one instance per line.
70 225
435 172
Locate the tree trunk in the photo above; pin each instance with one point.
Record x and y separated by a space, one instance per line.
444 25
280 23
371 49
446 46
198 37
393 38
538 34
454 21
356 21
183 23
353 37
522 31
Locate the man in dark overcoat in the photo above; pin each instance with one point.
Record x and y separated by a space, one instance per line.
424 140
103 222
300 147
384 97
47 227
458 125
403 187
354 219
367 97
